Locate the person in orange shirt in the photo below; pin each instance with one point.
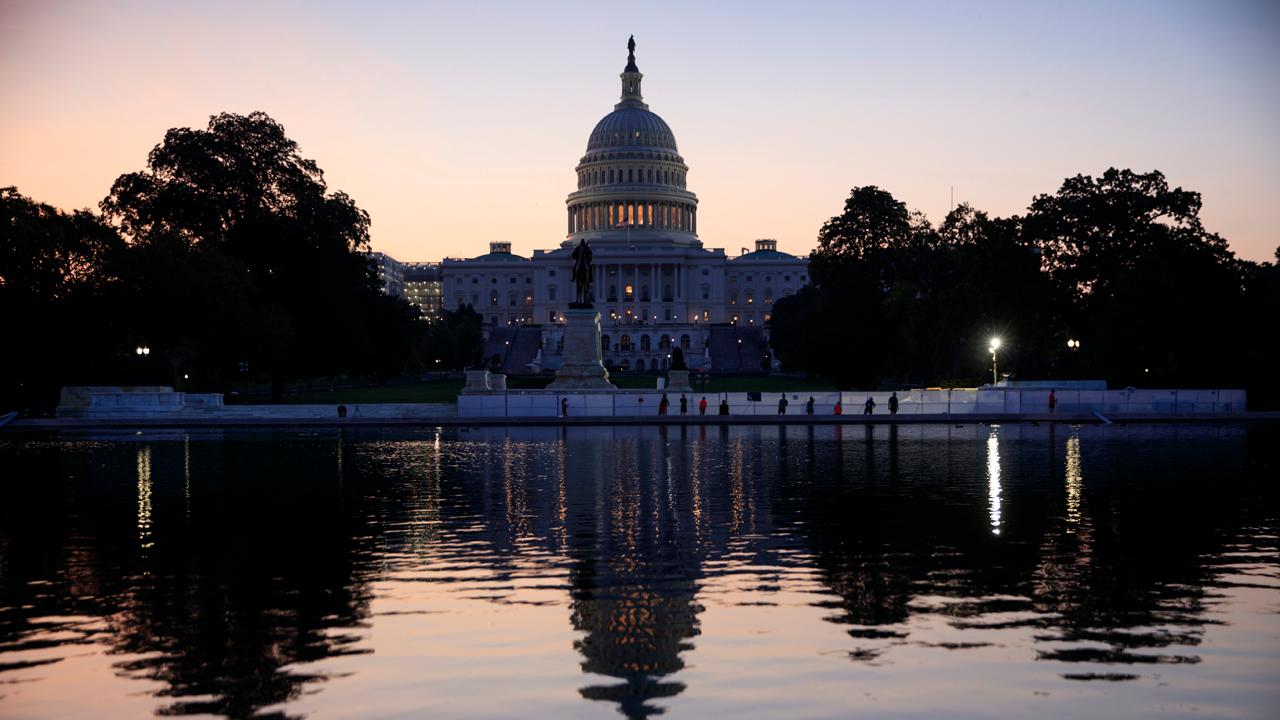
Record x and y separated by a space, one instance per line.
839 408
702 406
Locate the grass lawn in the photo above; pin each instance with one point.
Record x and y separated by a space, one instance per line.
446 391
427 391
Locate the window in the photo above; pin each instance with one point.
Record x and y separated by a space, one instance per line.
645 343
644 293
750 298
624 343
461 300
552 317
493 281
511 299
528 297
512 279
604 343
551 292
768 296
666 314
706 292
640 364
551 272
664 342
475 299
706 272
493 298
706 314
629 291
475 281
528 280
733 297
684 341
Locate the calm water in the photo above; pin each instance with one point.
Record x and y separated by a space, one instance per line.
965 571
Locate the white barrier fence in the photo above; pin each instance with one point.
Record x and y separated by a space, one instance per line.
986 401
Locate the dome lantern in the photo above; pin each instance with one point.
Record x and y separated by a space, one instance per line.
631 77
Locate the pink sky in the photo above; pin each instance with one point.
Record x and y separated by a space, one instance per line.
458 124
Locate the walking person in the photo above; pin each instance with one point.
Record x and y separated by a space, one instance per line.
782 404
663 404
893 404
1053 401
869 406
564 407
724 406
702 405
684 405
839 409
808 407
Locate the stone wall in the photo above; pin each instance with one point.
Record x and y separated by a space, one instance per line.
629 403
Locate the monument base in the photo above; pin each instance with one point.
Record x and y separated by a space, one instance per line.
581 368
678 381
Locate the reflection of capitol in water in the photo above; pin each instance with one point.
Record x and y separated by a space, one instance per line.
250 573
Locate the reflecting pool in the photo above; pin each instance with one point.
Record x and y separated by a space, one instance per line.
917 571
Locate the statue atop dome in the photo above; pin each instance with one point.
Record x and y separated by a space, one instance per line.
631 55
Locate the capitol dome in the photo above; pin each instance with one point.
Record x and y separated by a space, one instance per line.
631 181
630 127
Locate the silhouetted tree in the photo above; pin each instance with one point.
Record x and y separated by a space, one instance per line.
455 340
50 281
1121 263
1154 297
241 189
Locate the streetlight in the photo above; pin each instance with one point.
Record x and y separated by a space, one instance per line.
142 350
1073 344
994 347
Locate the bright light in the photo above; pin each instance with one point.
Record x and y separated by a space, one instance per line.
995 344
142 350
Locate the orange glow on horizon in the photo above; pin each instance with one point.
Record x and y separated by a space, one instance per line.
431 118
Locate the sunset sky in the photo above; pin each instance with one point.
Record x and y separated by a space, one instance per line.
455 124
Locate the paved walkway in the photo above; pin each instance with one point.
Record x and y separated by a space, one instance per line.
939 419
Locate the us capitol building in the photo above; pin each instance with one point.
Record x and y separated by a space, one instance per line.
655 283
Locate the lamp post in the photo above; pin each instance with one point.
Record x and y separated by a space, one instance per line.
142 352
994 348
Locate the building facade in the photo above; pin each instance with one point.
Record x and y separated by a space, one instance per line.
418 283
655 283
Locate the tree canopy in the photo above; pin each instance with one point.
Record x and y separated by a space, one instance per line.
1121 263
227 253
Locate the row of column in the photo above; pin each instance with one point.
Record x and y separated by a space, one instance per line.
618 280
634 213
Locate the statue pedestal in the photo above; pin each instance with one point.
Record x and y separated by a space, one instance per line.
581 368
678 381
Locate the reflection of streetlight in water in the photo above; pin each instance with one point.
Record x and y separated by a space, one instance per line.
144 498
1073 480
993 477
